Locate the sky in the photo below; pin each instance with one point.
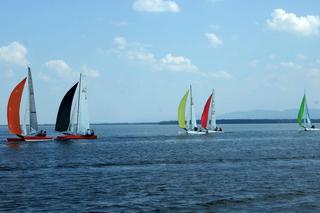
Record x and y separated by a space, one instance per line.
140 56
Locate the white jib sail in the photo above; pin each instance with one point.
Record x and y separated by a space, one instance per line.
213 112
308 116
83 114
79 121
193 120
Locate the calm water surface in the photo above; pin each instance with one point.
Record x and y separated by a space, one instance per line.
263 167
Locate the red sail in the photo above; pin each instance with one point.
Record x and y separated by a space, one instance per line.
13 109
205 113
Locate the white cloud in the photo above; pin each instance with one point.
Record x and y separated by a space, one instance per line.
135 52
178 63
138 53
90 72
120 42
14 54
218 74
61 68
213 39
156 6
289 22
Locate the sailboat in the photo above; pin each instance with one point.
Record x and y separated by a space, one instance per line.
13 114
208 118
189 126
304 119
74 122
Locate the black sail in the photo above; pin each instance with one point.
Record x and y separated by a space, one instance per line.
63 117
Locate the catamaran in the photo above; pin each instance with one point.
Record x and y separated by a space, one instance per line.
304 119
13 115
189 126
208 117
74 122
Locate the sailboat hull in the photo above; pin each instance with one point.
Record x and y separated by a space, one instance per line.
28 138
76 137
215 132
191 132
310 129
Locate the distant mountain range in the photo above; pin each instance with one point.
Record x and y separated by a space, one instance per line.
268 114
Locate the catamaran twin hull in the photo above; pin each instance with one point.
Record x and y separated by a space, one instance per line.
215 132
76 137
30 139
310 129
191 132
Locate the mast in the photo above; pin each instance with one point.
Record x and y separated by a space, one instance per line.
191 103
32 105
78 111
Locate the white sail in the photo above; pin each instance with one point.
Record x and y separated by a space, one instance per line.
74 112
308 119
194 120
83 116
79 121
32 106
212 117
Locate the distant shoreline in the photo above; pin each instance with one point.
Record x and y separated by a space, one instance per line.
219 121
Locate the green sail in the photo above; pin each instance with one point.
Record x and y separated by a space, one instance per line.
181 111
301 111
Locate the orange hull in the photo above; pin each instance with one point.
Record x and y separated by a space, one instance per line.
29 138
76 137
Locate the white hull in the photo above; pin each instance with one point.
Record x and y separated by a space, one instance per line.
192 132
215 132
310 129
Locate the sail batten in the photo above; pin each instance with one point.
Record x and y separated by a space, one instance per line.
13 108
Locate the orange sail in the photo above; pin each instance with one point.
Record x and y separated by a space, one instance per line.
13 109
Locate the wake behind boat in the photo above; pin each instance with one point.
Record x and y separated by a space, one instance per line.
208 117
189 126
13 115
304 119
74 124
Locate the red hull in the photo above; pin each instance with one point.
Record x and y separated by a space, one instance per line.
75 137
30 138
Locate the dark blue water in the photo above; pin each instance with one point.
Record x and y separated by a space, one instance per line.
149 167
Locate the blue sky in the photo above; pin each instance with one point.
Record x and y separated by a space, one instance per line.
141 55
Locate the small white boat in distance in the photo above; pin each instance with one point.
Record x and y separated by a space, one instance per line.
190 126
304 119
208 118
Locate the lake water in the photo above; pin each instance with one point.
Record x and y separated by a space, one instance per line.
262 167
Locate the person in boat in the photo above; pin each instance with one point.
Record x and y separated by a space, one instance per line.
42 133
195 128
313 126
90 132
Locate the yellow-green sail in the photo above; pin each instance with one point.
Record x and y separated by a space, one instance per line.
181 111
301 110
